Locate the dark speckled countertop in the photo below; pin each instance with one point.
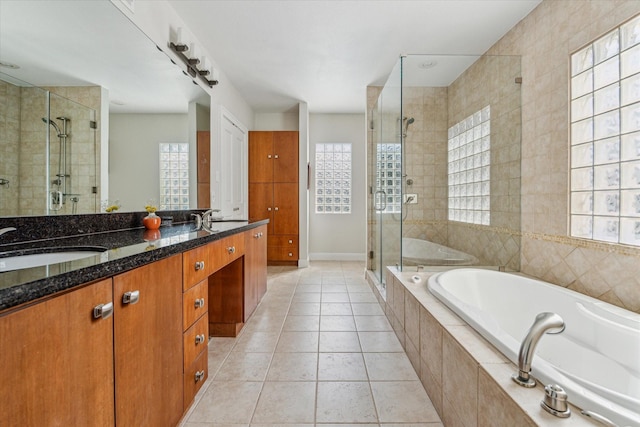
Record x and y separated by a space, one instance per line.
125 249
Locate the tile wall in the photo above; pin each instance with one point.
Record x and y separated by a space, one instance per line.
9 147
545 39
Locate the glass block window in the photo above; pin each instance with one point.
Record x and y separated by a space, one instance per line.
389 178
469 163
174 175
333 178
605 137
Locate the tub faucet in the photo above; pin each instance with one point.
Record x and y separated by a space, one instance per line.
545 323
6 230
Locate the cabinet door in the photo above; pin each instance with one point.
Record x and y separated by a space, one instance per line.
255 269
285 210
148 369
260 156
285 157
261 203
57 362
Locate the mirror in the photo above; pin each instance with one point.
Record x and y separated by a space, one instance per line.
84 62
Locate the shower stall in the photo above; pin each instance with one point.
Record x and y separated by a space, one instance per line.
443 155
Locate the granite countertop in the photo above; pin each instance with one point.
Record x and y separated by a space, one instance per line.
124 250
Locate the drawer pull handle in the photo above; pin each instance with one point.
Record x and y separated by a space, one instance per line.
231 249
199 265
199 303
199 339
103 311
131 297
199 376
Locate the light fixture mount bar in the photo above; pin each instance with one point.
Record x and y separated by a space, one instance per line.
192 64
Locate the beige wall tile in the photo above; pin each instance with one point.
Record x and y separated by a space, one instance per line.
459 381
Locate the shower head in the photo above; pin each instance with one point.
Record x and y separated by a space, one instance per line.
52 123
407 121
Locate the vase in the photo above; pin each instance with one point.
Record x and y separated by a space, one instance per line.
151 221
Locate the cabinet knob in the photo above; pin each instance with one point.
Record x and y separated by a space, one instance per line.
290 242
131 297
103 311
276 208
269 156
231 249
199 265
199 339
257 235
269 209
199 303
276 156
290 254
199 376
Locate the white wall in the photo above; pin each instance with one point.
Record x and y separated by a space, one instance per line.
333 236
134 172
277 121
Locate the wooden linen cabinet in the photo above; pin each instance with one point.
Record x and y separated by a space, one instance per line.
273 191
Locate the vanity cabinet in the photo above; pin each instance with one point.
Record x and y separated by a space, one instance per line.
148 336
57 361
255 269
273 190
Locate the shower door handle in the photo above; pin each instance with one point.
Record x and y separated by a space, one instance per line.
56 200
384 200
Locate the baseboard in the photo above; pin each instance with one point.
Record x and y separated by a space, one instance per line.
331 256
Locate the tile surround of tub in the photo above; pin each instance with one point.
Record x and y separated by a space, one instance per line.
460 371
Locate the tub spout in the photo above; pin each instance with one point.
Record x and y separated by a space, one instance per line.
545 323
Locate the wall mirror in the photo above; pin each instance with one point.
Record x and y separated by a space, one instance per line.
85 101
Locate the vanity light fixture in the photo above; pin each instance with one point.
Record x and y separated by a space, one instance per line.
192 61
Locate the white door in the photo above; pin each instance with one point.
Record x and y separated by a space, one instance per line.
233 170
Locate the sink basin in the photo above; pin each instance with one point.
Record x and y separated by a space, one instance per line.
17 260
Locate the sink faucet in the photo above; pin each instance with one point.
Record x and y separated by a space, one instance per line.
545 323
206 217
6 230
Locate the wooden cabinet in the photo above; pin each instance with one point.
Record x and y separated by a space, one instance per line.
147 332
195 323
57 361
141 362
255 269
273 188
203 152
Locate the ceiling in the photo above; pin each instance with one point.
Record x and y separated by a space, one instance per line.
278 53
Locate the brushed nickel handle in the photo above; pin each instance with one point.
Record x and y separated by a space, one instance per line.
131 297
269 156
276 156
199 303
199 339
257 235
290 254
276 208
103 311
290 242
269 209
199 265
261 234
199 376
231 249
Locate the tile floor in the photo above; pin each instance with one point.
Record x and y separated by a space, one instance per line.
317 351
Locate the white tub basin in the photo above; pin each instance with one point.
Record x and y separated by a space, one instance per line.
51 256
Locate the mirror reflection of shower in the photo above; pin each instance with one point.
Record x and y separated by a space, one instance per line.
61 185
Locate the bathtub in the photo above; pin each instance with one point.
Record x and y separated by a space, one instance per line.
424 252
596 359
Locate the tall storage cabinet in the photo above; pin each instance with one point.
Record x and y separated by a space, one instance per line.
273 191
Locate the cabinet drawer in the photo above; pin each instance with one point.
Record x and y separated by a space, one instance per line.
282 253
194 303
194 377
196 266
195 341
290 240
227 250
